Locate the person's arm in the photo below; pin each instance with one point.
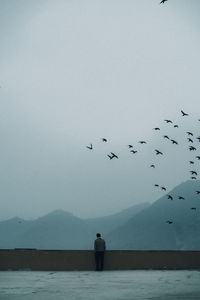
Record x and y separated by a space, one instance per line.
95 245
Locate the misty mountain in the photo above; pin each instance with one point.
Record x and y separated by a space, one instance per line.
108 223
11 231
57 230
60 230
149 230
140 227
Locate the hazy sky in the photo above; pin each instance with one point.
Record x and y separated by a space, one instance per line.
72 72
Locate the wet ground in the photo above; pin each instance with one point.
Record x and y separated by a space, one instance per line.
106 285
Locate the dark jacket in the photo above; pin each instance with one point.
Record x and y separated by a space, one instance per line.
99 245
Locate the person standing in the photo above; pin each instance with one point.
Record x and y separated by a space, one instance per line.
99 248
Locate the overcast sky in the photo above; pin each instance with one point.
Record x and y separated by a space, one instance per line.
72 72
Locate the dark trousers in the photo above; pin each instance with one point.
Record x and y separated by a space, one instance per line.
99 260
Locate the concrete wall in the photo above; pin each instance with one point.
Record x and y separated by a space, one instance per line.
32 259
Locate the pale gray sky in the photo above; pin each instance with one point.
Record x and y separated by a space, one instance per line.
72 72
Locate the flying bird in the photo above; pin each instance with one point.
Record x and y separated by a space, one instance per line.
142 142
156 128
181 198
130 146
193 173
174 142
198 157
157 185
191 162
158 152
112 156
189 133
198 192
163 188
168 121
170 197
163 1
194 208
191 148
193 177
90 147
176 126
183 113
133 151
169 222
198 138
152 166
104 140
190 140
166 137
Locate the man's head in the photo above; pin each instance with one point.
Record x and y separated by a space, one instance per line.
98 235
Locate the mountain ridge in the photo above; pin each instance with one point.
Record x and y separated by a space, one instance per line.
149 229
166 224
59 229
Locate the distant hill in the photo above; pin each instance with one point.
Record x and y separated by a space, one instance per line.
140 227
57 230
149 230
108 223
60 230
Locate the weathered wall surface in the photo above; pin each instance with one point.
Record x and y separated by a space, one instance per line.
27 259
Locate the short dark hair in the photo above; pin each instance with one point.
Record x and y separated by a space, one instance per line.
98 234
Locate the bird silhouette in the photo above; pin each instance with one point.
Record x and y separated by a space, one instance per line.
163 188
104 140
142 142
194 208
174 142
176 126
198 138
170 197
184 114
163 1
166 137
190 140
181 198
193 173
90 147
198 157
152 166
191 162
133 151
197 192
189 133
156 128
169 222
191 148
130 146
112 156
168 121
157 185
158 152
193 177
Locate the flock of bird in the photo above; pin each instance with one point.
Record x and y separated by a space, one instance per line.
190 138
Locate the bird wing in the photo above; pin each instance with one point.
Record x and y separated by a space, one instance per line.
114 155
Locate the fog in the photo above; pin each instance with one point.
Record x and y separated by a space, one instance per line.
73 72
